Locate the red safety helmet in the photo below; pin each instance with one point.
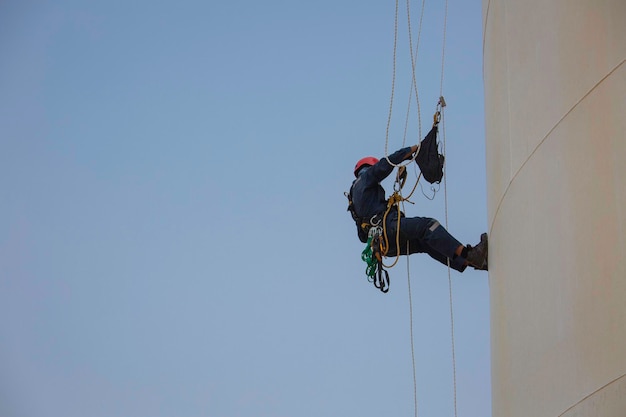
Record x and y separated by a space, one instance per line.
367 161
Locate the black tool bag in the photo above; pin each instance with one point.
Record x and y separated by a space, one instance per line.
429 159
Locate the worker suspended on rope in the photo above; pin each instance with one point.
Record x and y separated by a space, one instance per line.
368 206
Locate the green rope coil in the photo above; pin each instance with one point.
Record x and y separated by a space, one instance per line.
368 257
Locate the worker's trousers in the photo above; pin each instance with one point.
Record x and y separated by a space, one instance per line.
424 235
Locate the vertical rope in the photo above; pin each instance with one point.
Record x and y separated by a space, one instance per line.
408 273
445 193
414 60
452 338
389 117
393 78
443 51
413 71
445 188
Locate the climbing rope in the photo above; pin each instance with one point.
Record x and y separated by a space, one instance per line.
445 194
394 201
408 275
413 72
441 107
378 243
393 77
413 63
397 198
443 48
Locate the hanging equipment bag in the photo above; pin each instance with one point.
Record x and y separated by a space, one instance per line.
429 159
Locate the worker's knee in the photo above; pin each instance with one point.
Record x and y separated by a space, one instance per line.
432 229
432 225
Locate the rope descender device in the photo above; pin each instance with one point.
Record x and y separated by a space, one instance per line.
400 178
437 116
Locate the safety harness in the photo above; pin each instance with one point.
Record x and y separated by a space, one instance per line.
373 232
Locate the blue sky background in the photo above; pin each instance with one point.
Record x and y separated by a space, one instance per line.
174 238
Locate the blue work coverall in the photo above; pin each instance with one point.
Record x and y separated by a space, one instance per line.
423 234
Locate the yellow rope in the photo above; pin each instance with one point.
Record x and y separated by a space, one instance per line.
395 200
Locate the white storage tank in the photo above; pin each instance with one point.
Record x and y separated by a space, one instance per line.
555 105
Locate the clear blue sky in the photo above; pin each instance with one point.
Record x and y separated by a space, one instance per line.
174 238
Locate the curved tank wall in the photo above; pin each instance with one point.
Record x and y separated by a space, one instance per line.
555 105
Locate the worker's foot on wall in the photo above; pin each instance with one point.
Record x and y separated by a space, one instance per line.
477 255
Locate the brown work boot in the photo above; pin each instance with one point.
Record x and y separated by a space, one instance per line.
477 255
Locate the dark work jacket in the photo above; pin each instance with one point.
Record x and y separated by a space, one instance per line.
368 196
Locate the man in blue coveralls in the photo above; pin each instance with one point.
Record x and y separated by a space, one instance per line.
422 234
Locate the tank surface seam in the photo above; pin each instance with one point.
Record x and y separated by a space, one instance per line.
591 395
546 136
